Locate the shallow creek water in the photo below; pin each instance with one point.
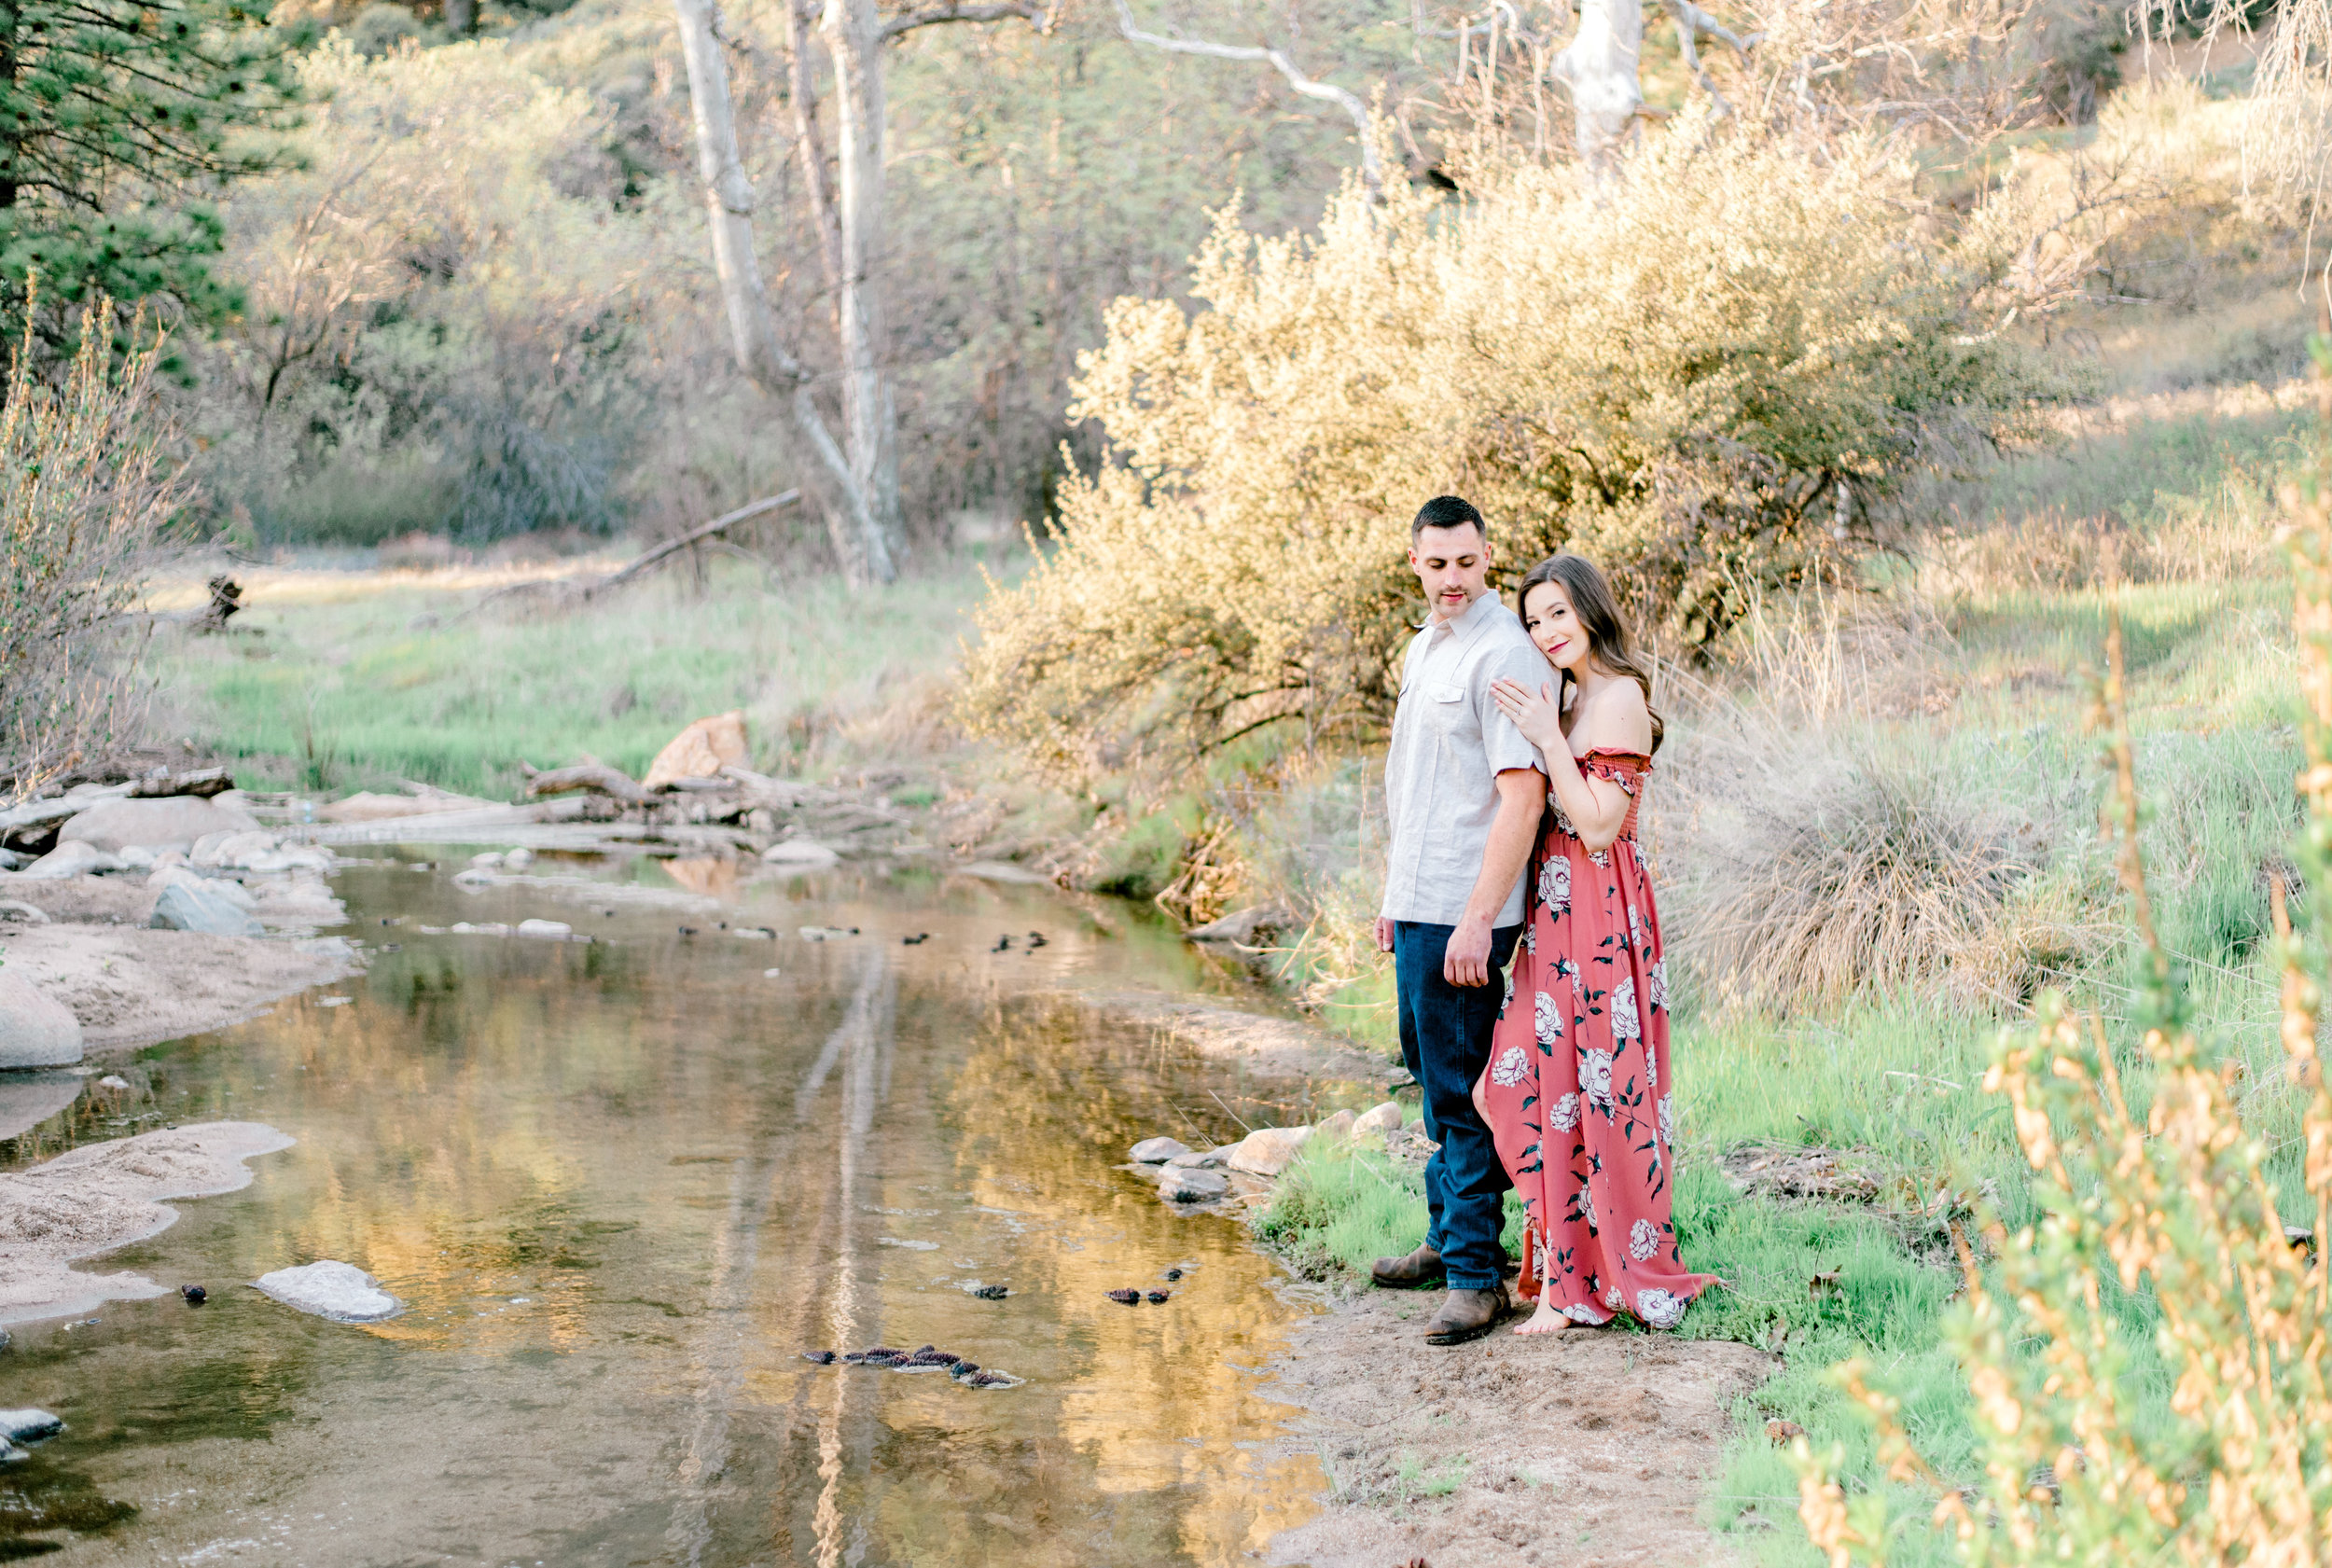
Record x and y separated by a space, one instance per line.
622 1186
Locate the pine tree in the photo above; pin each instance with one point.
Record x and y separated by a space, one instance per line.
117 120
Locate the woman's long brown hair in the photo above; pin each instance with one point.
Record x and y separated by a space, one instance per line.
1607 636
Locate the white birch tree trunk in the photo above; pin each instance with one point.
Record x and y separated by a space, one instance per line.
1602 66
854 38
861 541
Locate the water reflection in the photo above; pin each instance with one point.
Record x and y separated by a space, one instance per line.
622 1186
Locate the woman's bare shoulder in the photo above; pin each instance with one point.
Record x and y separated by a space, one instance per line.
1615 716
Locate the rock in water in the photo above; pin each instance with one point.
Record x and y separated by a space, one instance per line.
338 1291
700 752
799 854
28 1427
1158 1151
1199 1160
1157 1296
173 821
1268 1150
1181 1184
35 1029
824 1358
548 930
194 1294
190 906
1380 1120
1125 1298
517 859
990 1291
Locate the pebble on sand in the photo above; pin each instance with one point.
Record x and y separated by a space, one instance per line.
331 1289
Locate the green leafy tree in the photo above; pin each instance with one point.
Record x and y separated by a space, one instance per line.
117 120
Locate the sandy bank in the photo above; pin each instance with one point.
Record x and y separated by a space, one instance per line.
106 1196
1272 1047
1587 1446
129 986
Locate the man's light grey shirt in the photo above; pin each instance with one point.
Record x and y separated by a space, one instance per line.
1449 744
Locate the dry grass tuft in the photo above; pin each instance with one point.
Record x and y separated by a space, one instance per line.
1812 850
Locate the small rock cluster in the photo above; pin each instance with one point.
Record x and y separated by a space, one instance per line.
930 1358
1186 1175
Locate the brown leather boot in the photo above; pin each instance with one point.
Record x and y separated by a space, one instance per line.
1421 1267
1468 1314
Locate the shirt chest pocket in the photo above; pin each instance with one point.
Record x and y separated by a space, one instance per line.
1446 707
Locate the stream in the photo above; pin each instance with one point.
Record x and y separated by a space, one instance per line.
622 1185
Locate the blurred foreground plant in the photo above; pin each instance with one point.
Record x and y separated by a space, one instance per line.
2172 1201
85 489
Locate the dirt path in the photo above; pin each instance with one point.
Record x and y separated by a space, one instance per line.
1590 1447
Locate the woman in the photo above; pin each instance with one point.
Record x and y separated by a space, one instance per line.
1576 1093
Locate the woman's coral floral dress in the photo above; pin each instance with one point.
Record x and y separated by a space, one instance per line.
1577 1089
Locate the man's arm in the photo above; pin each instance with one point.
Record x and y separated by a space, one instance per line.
1521 798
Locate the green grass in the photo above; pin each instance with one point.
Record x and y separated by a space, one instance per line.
346 688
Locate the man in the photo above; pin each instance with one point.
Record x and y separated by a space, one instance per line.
1463 792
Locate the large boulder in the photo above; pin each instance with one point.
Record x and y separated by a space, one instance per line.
1268 1150
700 752
172 821
1381 1120
192 903
35 1029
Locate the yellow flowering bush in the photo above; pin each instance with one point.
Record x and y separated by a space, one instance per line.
1705 374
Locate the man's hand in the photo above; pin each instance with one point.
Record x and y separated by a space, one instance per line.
1466 960
1384 935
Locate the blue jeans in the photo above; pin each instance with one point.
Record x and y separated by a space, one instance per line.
1445 1042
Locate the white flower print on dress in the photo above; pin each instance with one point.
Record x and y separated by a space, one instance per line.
1550 1019
1529 939
1644 1239
1624 1025
1595 1079
1554 886
1616 1301
1656 986
1562 818
1668 1125
1587 1205
1564 1117
1511 1064
1658 1307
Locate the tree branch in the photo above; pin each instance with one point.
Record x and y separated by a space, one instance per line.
1371 168
1035 16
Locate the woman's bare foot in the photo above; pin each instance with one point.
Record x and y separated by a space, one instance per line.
1549 1319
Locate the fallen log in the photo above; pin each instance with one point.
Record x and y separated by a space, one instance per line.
595 776
648 559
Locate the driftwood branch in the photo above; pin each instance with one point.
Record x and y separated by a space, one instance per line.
1035 16
722 524
649 559
1371 167
594 776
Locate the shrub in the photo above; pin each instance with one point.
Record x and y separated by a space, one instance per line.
1705 376
2175 1201
85 490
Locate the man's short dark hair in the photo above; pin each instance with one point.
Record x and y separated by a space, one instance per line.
1448 511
